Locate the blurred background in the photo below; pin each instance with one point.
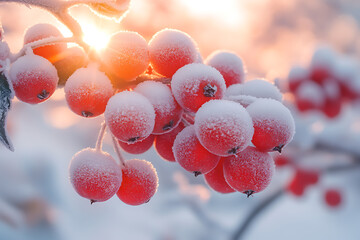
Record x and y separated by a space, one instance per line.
38 202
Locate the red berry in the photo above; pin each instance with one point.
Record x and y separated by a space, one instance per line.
223 127
41 31
309 95
68 61
215 179
322 64
165 142
34 78
191 155
138 147
282 160
139 182
333 197
87 91
95 175
170 50
333 103
274 125
126 56
113 9
229 65
195 84
130 116
259 88
167 111
250 171
302 179
296 76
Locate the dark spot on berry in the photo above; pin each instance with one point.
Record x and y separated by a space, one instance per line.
209 91
234 150
249 193
168 126
148 200
278 148
43 95
92 201
196 173
131 140
86 114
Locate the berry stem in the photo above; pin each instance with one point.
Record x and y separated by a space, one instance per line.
118 152
100 138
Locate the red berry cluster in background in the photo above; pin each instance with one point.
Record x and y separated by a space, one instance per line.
330 81
201 115
303 178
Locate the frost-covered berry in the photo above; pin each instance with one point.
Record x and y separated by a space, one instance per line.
322 63
332 197
191 155
259 88
139 182
170 50
68 61
112 9
42 31
229 65
297 75
250 171
309 95
34 78
223 127
95 175
274 125
302 179
138 147
167 111
164 143
126 55
130 116
216 180
195 84
87 91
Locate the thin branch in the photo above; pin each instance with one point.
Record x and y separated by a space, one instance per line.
239 233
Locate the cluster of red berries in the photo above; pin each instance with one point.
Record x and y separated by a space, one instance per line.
201 115
330 81
304 178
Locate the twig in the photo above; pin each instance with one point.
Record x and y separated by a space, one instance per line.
239 233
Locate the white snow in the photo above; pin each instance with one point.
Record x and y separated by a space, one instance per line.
312 92
39 31
298 73
33 66
259 88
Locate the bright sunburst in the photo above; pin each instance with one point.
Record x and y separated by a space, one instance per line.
94 36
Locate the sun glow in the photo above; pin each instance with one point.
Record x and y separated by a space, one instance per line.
94 36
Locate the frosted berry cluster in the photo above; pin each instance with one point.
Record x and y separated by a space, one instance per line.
330 81
200 114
